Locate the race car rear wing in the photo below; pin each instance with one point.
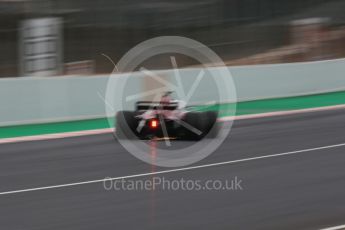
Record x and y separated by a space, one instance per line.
153 105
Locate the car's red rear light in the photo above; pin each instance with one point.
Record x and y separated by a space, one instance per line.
153 124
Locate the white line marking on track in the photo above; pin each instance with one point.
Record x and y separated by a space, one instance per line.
171 170
335 227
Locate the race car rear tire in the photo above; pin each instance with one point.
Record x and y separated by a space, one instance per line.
212 127
126 125
197 121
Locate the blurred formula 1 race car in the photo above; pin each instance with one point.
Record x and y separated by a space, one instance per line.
167 118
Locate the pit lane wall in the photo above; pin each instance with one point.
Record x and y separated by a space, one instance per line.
30 100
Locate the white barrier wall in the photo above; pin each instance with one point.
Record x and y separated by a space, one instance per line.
285 80
29 100
35 100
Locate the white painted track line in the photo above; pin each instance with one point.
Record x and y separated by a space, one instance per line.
171 170
340 227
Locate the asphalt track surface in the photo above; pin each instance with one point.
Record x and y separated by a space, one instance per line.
298 191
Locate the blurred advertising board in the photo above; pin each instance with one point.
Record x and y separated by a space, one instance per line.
40 47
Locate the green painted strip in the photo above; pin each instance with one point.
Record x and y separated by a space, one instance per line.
48 128
243 108
283 104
